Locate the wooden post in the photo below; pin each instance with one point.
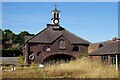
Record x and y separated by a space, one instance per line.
116 62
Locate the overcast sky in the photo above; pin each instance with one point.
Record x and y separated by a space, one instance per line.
93 21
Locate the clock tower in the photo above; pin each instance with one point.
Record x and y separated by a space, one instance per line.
55 16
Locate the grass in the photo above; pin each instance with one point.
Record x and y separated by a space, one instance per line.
81 68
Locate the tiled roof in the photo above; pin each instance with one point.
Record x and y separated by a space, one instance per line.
27 38
111 48
48 35
96 45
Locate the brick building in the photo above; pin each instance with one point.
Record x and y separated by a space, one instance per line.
107 51
54 43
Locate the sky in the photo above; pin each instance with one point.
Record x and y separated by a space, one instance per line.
93 21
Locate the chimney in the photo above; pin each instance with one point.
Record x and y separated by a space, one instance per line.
114 39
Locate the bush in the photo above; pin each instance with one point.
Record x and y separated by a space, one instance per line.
11 53
85 54
21 59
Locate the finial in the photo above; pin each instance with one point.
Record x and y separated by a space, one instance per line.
55 6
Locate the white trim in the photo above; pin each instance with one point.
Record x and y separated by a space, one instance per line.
116 62
31 57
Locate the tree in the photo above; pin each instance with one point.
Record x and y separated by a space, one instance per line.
16 38
0 33
7 35
20 37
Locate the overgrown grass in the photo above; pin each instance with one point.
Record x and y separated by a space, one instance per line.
81 68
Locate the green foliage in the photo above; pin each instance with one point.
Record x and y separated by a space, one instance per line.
11 53
15 47
21 59
0 33
17 42
85 54
20 37
17 38
7 35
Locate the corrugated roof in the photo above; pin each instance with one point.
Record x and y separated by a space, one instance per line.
48 35
111 48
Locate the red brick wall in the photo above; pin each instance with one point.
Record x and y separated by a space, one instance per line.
98 58
55 49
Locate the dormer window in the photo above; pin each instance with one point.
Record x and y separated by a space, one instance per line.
61 44
101 45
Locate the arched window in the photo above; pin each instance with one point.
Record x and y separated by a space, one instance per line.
54 15
61 44
46 48
57 15
75 48
39 53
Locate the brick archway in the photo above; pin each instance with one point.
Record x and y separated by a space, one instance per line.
57 57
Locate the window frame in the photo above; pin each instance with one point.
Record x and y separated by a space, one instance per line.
61 44
45 48
76 48
104 58
113 59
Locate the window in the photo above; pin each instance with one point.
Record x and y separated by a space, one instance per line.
62 44
39 53
113 59
75 48
54 15
101 45
104 58
57 15
46 48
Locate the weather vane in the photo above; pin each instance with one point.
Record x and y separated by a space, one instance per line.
55 6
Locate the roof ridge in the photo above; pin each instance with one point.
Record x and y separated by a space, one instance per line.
37 34
56 38
102 42
102 48
78 37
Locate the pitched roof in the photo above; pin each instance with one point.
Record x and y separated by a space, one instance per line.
97 45
111 48
49 34
27 38
55 10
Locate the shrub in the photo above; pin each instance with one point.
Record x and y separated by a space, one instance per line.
11 53
85 54
21 59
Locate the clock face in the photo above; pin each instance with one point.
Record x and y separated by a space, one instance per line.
56 21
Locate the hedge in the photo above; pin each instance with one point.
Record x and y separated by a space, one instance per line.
10 53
